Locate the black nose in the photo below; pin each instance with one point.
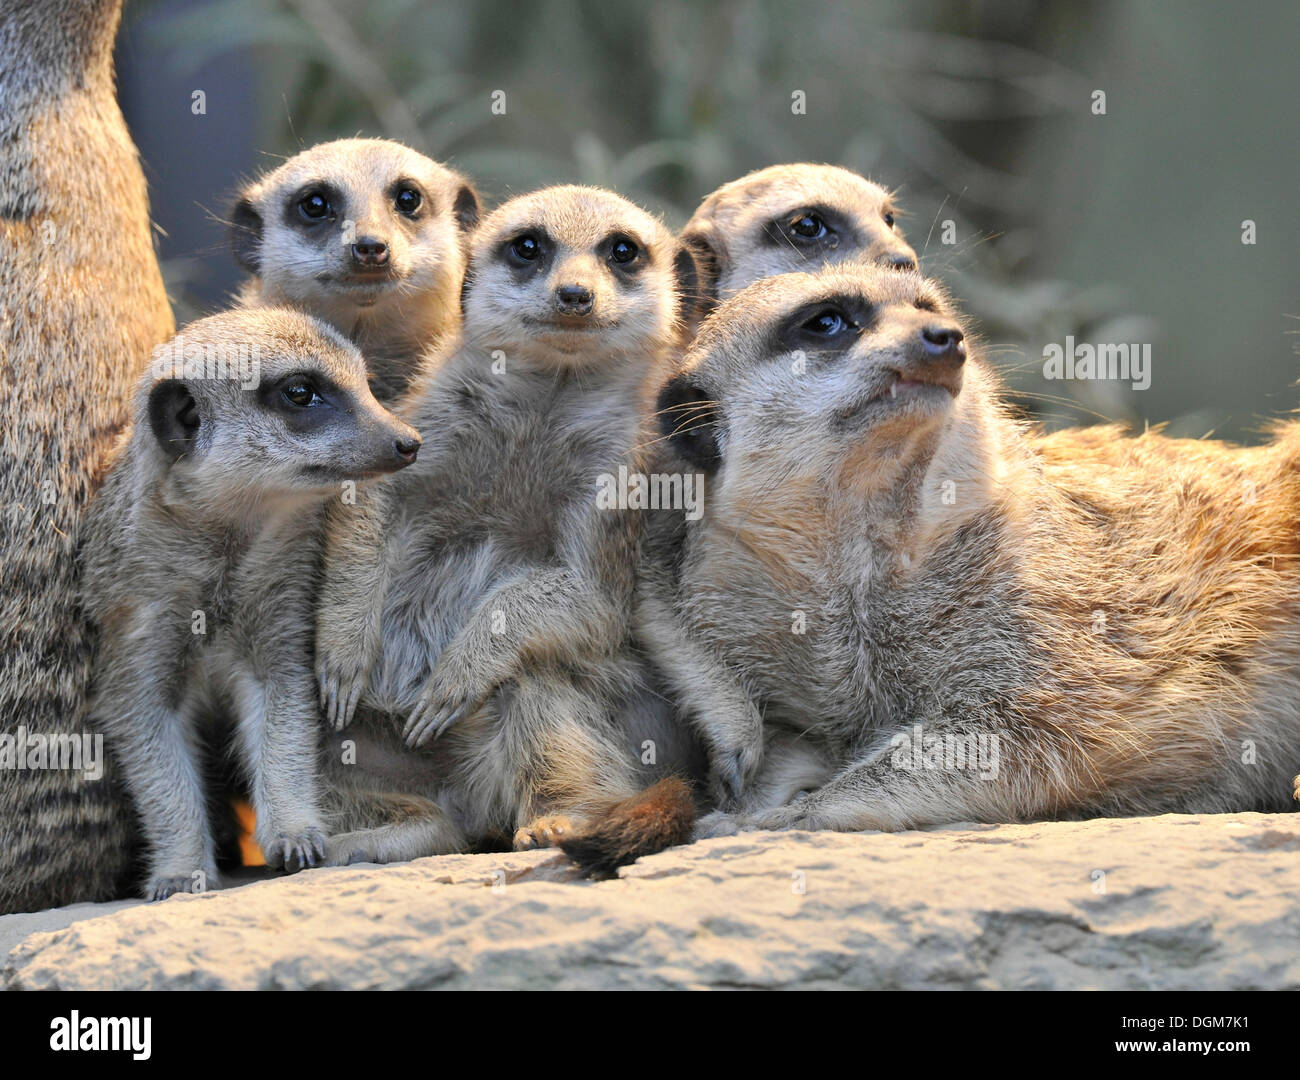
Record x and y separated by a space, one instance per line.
574 300
370 252
900 261
944 343
407 448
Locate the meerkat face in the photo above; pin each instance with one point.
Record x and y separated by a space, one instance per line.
802 371
790 218
573 275
354 222
266 402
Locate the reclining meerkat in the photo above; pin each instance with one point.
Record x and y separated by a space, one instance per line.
483 596
898 579
789 218
201 555
367 235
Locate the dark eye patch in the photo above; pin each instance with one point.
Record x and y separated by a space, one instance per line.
812 229
625 252
301 208
831 325
409 199
306 400
527 251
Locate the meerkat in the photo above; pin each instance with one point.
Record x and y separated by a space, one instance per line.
792 218
482 598
367 235
931 612
81 304
201 554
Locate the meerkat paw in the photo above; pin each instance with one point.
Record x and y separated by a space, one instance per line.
340 691
348 848
296 850
165 884
718 823
733 769
444 701
545 831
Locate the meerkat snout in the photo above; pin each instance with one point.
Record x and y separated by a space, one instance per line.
574 300
370 254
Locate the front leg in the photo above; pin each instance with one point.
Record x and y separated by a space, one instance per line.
716 703
350 608
160 759
279 742
544 617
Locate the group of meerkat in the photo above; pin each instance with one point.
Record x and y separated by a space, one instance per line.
351 555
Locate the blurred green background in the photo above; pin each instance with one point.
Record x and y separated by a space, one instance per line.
1122 227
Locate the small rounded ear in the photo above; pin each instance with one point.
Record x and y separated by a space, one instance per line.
173 418
690 303
708 268
688 420
246 235
466 208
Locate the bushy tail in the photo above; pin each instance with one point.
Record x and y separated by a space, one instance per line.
657 818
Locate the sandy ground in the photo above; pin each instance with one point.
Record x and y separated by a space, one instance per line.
1168 902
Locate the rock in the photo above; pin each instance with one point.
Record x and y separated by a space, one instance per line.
1187 902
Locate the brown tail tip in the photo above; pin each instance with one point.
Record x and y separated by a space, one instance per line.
657 818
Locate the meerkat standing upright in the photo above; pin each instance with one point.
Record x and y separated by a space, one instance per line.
367 235
941 616
81 304
788 218
483 597
201 559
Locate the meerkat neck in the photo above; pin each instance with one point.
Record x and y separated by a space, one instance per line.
975 465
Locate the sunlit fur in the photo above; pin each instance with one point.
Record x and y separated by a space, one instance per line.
81 304
1123 614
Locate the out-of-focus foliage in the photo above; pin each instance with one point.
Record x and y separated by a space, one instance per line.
953 103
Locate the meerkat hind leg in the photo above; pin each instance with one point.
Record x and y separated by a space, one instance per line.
411 828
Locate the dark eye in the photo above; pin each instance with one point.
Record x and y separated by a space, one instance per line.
889 218
809 226
408 201
301 394
526 248
624 251
827 323
314 206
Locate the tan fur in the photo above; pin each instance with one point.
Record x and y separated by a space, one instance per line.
745 230
81 303
1122 615
484 597
393 315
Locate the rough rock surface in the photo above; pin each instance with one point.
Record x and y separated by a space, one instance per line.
1166 902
